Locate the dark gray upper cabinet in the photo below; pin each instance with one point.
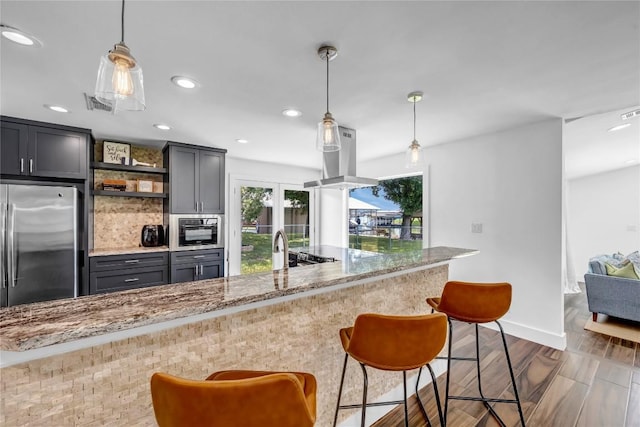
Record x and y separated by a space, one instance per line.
196 179
57 153
183 180
13 150
42 150
211 181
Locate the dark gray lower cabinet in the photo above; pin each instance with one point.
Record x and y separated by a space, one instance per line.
121 272
188 266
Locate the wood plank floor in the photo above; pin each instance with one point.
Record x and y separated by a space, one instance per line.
594 382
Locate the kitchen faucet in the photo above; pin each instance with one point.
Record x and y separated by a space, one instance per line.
285 243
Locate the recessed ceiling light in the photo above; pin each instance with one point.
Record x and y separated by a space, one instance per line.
289 112
630 114
184 82
161 126
19 37
615 128
57 108
242 141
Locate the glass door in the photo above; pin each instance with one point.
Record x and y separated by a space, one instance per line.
257 211
296 217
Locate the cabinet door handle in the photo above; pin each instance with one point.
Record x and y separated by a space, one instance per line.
201 206
199 256
197 205
132 261
134 279
201 270
195 270
21 165
30 165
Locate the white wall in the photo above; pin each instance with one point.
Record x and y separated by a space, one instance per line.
511 183
333 217
269 171
604 215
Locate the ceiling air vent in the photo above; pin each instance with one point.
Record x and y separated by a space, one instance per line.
94 104
630 114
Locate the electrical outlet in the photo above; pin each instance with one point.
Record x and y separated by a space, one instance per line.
476 227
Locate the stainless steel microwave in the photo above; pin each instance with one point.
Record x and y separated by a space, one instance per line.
197 231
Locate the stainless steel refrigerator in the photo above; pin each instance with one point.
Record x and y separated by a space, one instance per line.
39 243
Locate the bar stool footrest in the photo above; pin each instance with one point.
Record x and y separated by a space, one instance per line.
481 399
359 405
468 359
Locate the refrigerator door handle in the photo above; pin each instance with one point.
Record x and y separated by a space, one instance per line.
11 252
3 233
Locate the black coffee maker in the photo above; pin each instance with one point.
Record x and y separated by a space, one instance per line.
152 235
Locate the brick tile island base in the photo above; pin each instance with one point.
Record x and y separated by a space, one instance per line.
108 384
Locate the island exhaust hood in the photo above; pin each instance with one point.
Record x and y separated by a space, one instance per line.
339 167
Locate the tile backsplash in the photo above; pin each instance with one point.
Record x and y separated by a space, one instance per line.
118 221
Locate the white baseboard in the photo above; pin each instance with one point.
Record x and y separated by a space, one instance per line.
376 412
538 336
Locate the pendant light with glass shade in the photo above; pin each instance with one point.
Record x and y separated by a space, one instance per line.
414 152
328 135
119 82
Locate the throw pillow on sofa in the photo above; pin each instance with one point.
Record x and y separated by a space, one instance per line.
627 271
597 263
634 257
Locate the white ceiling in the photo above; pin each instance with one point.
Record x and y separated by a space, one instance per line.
484 66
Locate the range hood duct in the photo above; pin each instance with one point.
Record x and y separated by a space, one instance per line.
339 167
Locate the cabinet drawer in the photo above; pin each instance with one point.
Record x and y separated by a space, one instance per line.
118 262
132 278
199 256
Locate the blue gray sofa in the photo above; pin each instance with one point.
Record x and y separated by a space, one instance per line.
610 295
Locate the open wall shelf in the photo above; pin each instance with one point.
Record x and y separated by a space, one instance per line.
128 194
127 168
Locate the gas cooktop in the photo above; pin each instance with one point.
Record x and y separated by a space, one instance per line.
305 258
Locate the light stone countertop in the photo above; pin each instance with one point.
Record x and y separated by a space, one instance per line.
126 251
33 326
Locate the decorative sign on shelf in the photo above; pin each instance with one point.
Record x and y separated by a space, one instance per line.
114 152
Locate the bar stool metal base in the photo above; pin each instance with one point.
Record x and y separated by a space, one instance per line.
482 398
364 403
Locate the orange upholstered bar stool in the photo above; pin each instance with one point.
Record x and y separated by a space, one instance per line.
476 303
393 343
235 398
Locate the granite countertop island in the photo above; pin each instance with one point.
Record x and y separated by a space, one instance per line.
87 361
32 326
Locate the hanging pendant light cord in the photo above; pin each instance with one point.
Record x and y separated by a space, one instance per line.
122 24
327 81
414 119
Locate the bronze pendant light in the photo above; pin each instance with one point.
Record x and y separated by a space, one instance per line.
119 81
328 138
